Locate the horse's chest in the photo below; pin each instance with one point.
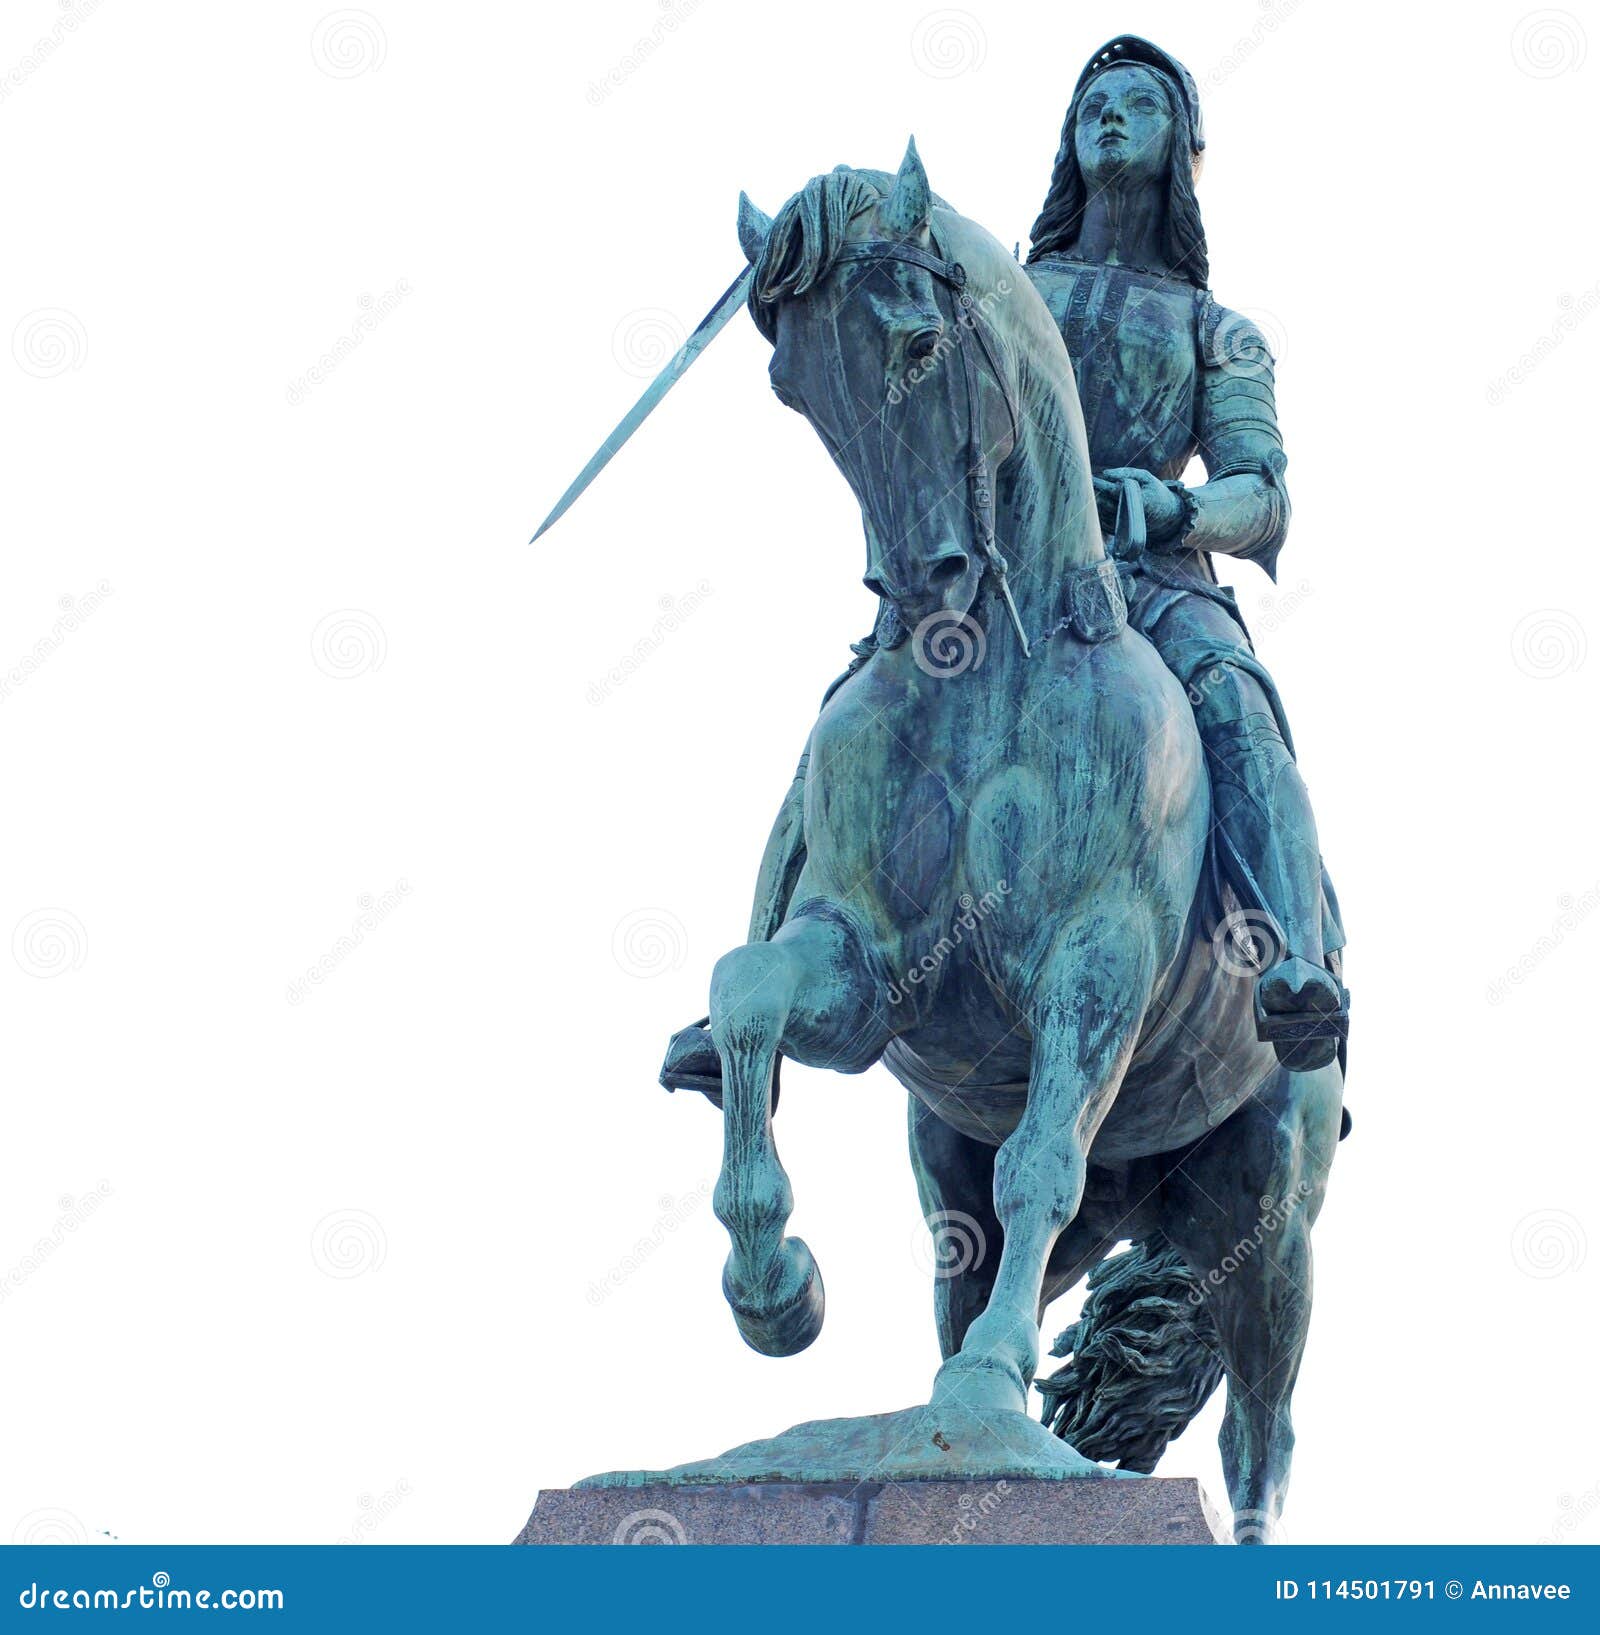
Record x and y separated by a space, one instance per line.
919 836
919 805
883 824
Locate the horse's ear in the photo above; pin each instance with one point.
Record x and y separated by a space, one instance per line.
908 207
754 225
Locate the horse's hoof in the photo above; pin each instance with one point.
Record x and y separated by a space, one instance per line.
981 1382
792 1324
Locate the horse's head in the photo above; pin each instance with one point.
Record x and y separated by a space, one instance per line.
877 299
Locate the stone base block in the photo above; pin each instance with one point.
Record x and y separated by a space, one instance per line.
1156 1510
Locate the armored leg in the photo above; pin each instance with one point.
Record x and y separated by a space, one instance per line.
1263 814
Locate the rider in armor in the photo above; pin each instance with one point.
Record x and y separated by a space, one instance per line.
1165 374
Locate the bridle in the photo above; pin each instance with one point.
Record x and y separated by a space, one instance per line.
972 340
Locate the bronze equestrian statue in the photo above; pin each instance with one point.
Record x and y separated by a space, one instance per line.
1164 374
1047 856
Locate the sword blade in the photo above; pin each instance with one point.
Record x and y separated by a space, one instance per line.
705 332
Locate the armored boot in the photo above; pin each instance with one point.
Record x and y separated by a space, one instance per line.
1264 814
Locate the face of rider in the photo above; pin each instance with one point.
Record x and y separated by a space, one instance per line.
1124 130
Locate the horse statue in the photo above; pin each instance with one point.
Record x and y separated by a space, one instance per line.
1009 899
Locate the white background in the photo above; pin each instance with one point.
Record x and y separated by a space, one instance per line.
201 201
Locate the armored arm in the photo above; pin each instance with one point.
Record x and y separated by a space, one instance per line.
1242 509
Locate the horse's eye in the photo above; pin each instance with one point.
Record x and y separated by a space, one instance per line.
922 344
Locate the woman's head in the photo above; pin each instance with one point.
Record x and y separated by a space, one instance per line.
1124 126
1134 121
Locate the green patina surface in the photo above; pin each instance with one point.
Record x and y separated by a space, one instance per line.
1048 856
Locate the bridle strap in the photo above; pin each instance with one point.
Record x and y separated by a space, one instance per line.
886 249
968 325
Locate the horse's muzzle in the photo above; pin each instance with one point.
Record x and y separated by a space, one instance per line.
940 584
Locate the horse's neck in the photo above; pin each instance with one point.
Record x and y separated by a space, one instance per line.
1047 523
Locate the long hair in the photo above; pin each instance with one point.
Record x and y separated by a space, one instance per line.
1061 219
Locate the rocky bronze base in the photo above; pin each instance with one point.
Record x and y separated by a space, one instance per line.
951 1440
1156 1510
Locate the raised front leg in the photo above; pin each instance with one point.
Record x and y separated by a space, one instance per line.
1092 1000
808 994
1240 1208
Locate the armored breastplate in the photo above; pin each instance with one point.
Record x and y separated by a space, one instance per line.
1132 340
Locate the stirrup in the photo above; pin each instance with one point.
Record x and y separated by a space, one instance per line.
683 1067
1301 1027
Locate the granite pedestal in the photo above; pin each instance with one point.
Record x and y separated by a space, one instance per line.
1157 1510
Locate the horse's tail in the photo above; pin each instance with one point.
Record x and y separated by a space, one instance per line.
1144 1358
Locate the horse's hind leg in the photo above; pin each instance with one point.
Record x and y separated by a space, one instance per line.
955 1185
809 994
1240 1207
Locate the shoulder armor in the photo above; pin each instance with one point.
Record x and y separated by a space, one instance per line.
1228 337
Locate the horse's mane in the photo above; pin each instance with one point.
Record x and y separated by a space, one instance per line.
807 235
